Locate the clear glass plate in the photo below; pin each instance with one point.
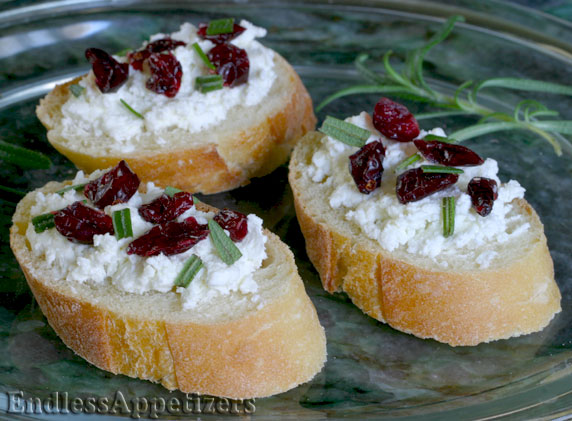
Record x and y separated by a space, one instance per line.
372 370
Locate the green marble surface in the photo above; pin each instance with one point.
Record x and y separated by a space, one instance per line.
372 370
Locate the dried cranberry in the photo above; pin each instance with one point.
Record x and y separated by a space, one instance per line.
166 74
115 186
166 208
231 63
414 185
235 222
220 38
79 223
366 166
483 192
394 121
109 73
169 238
448 154
137 58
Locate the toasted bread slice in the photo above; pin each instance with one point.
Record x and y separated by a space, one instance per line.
233 349
251 142
459 305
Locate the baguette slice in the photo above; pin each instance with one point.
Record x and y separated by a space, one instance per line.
234 349
458 306
252 141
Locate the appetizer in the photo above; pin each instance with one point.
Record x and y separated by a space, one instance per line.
148 282
419 231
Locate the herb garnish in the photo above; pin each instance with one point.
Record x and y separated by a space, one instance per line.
208 83
408 161
23 157
220 26
225 247
131 109
345 132
189 271
76 89
410 84
440 138
171 191
448 208
122 223
203 56
76 187
43 222
440 169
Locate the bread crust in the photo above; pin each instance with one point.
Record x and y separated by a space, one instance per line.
458 308
223 161
269 351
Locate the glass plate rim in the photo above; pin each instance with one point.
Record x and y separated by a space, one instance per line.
562 382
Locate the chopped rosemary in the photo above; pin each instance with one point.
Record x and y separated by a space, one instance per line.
43 222
220 26
76 187
345 132
203 56
448 208
76 90
226 249
408 161
440 138
208 83
439 169
131 109
189 271
122 223
171 191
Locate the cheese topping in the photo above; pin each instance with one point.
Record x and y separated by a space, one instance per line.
93 115
416 228
106 261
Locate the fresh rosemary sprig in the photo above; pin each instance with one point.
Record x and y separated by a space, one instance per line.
23 158
410 84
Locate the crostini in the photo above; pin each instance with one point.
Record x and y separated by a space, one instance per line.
420 233
204 109
145 281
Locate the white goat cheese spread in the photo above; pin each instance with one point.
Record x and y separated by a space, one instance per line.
93 115
106 261
416 227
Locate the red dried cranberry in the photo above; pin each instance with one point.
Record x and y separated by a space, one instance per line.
136 58
220 38
483 192
231 63
394 121
115 186
166 208
235 222
166 74
448 154
79 223
164 44
414 185
366 166
169 238
109 73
